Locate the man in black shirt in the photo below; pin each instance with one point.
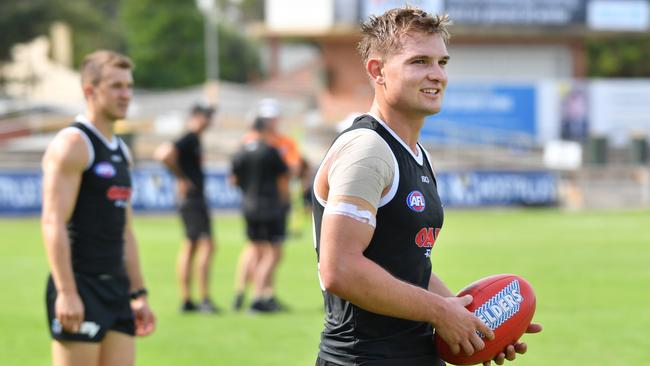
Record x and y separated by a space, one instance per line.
262 175
96 299
184 159
377 213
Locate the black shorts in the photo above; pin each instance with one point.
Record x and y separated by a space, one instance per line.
106 307
273 230
321 362
196 218
415 362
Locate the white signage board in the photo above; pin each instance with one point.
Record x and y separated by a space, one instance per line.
617 15
299 15
619 108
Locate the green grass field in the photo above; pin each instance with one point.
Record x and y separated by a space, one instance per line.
590 272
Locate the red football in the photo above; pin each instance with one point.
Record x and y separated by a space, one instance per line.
506 304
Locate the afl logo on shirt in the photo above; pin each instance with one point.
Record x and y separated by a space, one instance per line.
105 170
415 201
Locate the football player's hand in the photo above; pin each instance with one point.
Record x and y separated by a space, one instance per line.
510 353
458 327
69 310
145 320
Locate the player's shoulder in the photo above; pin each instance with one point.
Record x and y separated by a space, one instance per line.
360 135
69 147
69 139
363 141
186 138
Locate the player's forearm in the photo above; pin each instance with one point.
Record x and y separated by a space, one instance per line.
438 287
132 261
372 288
283 188
173 167
168 156
57 247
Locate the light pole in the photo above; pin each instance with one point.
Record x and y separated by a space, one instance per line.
210 13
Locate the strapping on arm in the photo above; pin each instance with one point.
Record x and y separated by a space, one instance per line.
351 210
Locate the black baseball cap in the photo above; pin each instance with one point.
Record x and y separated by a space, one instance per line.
202 108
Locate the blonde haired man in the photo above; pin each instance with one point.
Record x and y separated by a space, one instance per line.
96 299
375 195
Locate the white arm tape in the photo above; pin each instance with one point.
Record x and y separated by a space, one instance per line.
352 211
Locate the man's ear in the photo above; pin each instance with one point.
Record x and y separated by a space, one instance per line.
375 68
88 90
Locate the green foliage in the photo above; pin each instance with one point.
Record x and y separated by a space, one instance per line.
166 41
94 26
619 57
21 21
238 56
91 22
164 38
589 271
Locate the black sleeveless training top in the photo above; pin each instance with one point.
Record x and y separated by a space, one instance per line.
406 229
96 228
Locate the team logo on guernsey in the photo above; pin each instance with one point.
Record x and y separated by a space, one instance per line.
415 201
105 169
501 306
119 195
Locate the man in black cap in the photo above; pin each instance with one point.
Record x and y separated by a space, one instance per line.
183 159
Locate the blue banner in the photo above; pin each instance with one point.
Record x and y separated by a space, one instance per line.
20 192
485 114
497 188
155 190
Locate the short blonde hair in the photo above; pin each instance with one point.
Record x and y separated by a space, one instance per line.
381 35
94 63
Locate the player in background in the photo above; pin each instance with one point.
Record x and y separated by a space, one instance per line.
96 296
184 159
268 113
374 194
262 175
270 110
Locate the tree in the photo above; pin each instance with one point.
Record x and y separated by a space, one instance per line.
91 21
619 57
238 56
92 24
95 25
166 42
21 21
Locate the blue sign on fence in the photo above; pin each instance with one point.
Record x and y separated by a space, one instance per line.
20 192
154 190
497 188
485 114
